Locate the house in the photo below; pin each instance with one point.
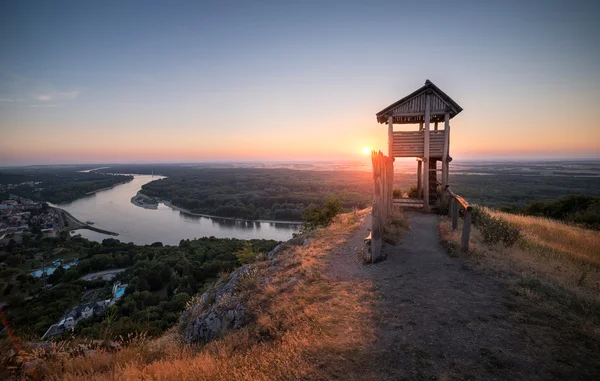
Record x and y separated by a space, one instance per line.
69 323
87 310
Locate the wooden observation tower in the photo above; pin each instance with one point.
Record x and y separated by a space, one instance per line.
430 108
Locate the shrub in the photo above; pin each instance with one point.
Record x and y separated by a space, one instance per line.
247 254
412 192
397 193
321 215
494 230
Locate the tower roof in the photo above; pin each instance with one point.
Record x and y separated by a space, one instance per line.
411 108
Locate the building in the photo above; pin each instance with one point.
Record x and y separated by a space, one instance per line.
82 311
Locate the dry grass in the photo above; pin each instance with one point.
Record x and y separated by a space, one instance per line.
398 226
303 322
565 255
553 276
569 240
555 266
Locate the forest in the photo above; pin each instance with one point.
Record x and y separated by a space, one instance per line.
54 184
271 194
284 194
160 281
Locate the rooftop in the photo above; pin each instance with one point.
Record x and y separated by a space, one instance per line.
411 108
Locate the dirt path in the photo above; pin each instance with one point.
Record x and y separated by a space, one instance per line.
437 319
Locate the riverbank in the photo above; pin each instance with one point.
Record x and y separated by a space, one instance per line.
113 209
110 187
167 203
69 223
144 201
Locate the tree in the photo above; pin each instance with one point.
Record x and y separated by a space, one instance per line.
246 254
57 275
142 284
319 216
165 274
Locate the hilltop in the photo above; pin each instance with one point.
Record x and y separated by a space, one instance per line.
314 311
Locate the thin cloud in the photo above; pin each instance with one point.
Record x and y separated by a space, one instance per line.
43 105
57 96
6 100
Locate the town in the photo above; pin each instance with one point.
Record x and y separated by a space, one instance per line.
23 221
20 218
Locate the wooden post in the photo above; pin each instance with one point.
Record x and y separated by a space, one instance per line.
384 187
390 136
377 221
426 153
390 167
455 210
445 163
466 233
435 126
419 177
432 181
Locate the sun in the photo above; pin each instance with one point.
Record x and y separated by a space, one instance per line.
366 150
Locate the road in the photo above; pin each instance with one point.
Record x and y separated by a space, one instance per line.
106 274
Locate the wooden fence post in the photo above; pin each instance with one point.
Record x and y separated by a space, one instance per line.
466 233
455 211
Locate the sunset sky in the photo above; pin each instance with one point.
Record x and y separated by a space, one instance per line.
92 82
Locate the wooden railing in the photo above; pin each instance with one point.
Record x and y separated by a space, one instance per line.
456 203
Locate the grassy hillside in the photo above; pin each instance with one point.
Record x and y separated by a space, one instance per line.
553 273
302 320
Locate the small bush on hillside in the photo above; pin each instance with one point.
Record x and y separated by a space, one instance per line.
247 254
412 192
494 230
317 216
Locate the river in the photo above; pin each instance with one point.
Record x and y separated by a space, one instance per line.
112 210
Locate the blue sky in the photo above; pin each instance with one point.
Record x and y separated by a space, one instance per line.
196 81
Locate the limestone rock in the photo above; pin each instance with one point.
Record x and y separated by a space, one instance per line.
220 309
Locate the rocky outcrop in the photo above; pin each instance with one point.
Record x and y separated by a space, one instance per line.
223 307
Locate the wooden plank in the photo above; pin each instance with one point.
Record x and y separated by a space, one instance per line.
426 152
407 154
445 164
390 135
419 178
401 142
400 114
408 137
390 161
461 200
